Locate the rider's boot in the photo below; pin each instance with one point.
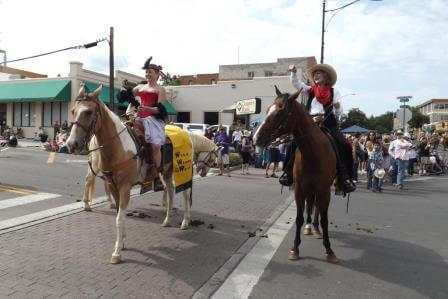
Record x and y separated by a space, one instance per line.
286 179
346 182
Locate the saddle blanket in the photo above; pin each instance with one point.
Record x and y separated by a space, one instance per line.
182 157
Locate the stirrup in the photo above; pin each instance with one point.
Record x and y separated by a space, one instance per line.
348 186
285 179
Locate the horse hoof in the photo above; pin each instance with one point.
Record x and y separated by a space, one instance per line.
317 235
87 209
166 224
293 255
307 231
115 259
184 226
331 258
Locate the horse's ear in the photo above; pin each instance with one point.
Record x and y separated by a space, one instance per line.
82 91
277 91
97 92
294 96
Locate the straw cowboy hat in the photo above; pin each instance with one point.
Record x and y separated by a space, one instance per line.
246 133
379 173
399 132
331 72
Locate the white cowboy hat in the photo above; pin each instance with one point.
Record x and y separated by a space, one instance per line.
325 68
246 133
399 132
407 135
379 173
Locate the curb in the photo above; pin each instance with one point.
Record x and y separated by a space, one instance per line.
220 276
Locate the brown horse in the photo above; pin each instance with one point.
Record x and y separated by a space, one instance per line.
314 165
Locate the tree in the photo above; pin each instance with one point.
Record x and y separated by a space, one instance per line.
169 80
418 119
383 123
354 117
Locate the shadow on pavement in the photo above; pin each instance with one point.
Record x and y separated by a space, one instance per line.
397 262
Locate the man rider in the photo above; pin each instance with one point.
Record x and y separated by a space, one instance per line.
323 99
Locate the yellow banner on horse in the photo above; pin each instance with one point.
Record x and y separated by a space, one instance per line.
182 157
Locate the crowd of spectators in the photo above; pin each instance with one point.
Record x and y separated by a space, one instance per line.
390 158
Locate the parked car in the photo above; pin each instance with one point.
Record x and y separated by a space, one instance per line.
193 128
215 128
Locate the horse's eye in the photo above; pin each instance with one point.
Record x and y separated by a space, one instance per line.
89 113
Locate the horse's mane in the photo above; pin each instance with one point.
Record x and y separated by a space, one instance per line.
202 143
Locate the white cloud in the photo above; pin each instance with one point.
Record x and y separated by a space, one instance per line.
381 50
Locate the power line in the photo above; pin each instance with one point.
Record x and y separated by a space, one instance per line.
85 46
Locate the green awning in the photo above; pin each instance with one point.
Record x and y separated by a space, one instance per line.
35 91
104 95
169 108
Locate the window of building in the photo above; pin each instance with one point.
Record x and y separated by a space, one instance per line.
190 82
183 117
212 81
54 111
24 114
268 73
211 118
250 74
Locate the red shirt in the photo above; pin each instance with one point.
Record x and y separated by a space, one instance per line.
148 99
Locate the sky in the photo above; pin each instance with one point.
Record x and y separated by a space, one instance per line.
380 49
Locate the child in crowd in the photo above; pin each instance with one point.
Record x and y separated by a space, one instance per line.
376 166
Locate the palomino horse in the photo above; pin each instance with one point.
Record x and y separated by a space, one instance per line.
204 155
314 165
117 157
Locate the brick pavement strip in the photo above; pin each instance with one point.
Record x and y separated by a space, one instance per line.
68 256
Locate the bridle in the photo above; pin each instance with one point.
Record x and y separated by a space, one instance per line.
207 159
88 130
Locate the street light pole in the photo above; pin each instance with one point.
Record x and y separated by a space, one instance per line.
111 69
323 33
324 11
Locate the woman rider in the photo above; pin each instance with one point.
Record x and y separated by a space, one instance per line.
323 99
151 113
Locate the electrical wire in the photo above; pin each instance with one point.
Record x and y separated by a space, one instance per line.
85 46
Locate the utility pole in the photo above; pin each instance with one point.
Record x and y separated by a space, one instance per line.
323 33
111 69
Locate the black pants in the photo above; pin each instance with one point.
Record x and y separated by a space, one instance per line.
344 149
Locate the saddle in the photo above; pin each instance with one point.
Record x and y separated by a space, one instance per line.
144 151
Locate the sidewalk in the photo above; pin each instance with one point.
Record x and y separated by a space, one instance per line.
69 257
29 143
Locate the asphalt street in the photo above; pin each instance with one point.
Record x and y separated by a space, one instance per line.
390 245
33 180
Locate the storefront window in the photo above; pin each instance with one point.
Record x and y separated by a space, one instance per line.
17 114
32 114
64 111
46 115
56 113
